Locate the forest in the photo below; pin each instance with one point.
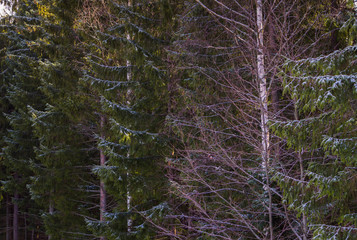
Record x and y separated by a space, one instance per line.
178 119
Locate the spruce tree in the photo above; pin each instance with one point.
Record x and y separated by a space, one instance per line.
324 135
62 167
132 86
21 82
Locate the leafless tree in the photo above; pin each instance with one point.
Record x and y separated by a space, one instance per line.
222 171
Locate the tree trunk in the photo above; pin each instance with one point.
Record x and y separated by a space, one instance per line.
103 197
50 210
25 227
15 223
128 194
263 97
305 230
8 218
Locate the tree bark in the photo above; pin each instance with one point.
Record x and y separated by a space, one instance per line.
15 223
8 218
25 223
50 210
128 194
103 197
263 97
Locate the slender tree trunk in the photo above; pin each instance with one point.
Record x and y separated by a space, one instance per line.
8 218
263 96
25 229
128 194
50 210
15 223
305 229
103 197
128 204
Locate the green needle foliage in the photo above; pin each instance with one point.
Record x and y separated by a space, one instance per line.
19 76
325 91
165 87
61 167
126 72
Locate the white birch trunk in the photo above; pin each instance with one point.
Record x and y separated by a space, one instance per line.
128 204
128 194
263 97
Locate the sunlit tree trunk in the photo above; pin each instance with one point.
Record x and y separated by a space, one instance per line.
263 96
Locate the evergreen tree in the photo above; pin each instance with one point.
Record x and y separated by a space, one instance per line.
62 168
325 92
127 73
20 79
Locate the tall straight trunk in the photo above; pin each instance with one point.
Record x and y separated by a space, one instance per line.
51 211
15 222
103 197
305 230
8 218
128 204
263 97
25 229
128 194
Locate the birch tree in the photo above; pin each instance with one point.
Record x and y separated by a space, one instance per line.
230 54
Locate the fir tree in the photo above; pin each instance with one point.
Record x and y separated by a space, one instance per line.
133 89
325 92
21 82
62 168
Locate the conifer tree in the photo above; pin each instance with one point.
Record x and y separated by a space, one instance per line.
133 89
324 135
61 172
5 107
21 82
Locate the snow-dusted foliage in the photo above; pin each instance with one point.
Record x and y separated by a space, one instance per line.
325 92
